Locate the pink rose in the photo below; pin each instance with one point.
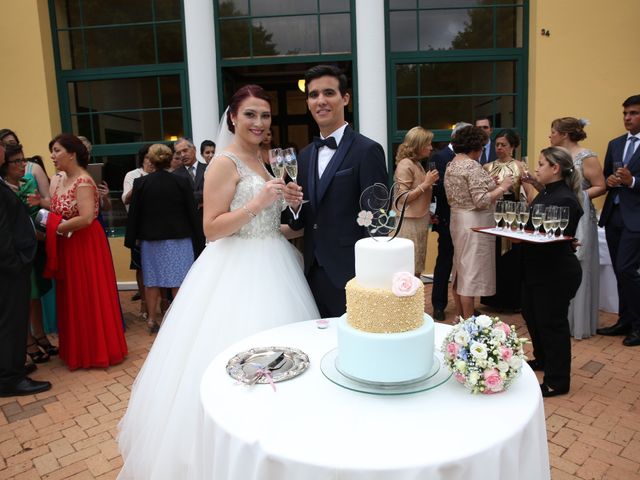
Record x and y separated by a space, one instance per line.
506 353
460 378
505 328
492 379
404 284
452 349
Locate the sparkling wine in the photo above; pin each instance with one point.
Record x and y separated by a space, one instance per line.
563 223
278 170
547 224
497 216
510 217
292 170
524 217
555 224
536 221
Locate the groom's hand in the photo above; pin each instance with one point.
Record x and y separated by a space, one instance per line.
293 195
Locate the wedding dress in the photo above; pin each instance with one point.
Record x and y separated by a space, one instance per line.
240 285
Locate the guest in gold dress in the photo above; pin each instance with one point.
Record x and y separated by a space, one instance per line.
471 193
416 185
507 296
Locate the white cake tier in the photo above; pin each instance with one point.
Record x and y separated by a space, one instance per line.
385 357
378 260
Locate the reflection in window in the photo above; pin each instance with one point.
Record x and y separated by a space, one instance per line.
96 34
126 110
264 28
440 25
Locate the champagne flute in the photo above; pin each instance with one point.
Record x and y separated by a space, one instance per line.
537 215
498 212
522 211
556 221
291 165
617 166
548 220
564 219
509 213
276 160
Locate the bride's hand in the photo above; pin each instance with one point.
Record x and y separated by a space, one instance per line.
271 191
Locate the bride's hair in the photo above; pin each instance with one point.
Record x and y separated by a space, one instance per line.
239 97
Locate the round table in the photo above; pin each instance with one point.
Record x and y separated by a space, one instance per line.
312 429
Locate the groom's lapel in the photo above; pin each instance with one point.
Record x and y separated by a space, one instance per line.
337 159
312 175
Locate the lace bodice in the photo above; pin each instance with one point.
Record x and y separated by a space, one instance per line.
467 185
267 222
65 203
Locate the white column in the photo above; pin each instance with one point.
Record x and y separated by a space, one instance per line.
372 70
201 58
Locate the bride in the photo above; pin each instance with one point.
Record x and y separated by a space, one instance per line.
249 278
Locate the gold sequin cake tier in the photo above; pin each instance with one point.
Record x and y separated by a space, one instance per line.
378 310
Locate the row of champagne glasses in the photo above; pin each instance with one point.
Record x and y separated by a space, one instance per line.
511 212
550 217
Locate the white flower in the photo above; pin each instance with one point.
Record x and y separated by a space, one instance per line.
503 366
473 377
364 218
478 350
498 334
461 366
515 362
462 337
483 321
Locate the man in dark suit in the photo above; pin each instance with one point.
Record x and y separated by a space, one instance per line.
621 219
444 260
334 170
191 169
489 151
17 250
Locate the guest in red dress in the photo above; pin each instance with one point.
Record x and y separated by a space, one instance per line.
89 315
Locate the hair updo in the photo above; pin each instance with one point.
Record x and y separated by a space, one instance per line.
573 127
160 156
469 139
72 144
241 94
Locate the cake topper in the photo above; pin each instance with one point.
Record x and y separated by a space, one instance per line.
379 212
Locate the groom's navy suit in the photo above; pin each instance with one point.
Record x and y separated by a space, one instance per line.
329 219
622 227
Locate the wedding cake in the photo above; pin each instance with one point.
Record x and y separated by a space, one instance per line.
385 336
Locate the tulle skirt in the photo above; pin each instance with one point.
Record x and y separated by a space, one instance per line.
237 287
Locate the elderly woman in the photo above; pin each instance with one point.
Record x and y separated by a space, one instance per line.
414 190
584 309
89 316
471 193
162 220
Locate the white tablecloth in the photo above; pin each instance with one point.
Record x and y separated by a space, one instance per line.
608 284
312 429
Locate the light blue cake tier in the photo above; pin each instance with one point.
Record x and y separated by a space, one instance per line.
385 357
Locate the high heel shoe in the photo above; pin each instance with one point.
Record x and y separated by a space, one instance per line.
152 327
44 343
38 356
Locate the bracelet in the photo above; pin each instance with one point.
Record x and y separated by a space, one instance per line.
251 214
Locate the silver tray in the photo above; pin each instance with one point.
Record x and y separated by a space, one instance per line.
244 365
436 377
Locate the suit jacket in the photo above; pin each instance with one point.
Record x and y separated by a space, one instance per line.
442 158
163 208
408 176
197 184
329 219
492 153
17 236
629 197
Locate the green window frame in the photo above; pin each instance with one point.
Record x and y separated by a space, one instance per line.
486 55
86 69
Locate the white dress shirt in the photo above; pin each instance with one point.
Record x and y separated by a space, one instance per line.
325 154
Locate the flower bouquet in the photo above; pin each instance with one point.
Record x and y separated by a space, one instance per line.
484 354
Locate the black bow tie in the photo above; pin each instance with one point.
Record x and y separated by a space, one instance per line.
327 142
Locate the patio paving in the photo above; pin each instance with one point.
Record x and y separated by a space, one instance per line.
69 432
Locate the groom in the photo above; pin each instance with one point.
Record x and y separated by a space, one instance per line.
334 170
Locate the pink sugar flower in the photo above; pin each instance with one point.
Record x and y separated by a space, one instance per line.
492 379
404 284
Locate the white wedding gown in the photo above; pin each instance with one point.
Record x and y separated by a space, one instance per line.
240 285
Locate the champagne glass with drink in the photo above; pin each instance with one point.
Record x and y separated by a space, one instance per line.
537 214
549 220
498 212
522 214
276 160
509 213
564 219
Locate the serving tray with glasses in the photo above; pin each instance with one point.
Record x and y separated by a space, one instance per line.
524 236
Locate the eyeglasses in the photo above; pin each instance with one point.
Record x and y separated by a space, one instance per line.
22 160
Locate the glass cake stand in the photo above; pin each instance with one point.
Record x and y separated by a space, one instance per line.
436 377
